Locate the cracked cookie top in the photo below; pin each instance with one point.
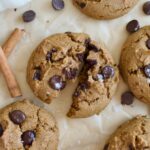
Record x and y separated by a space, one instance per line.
132 135
105 9
62 58
24 126
135 63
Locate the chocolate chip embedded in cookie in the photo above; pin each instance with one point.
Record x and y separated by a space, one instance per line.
97 83
135 63
24 125
105 9
132 135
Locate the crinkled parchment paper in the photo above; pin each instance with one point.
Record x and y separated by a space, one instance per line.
75 134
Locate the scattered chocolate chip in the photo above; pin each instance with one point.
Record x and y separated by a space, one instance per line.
146 8
58 4
17 117
57 83
15 9
70 73
28 137
37 74
83 86
108 72
147 71
49 54
127 98
133 26
81 56
148 43
1 130
90 63
106 147
81 5
29 16
92 47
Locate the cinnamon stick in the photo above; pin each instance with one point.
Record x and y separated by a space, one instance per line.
12 41
12 84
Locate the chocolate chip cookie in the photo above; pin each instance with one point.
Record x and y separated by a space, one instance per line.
25 126
132 135
60 58
135 63
105 9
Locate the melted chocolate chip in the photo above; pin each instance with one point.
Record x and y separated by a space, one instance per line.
17 117
29 16
49 54
127 98
28 137
106 147
58 4
148 43
81 57
57 83
146 8
90 63
133 26
1 130
92 47
87 41
70 73
147 71
108 72
37 74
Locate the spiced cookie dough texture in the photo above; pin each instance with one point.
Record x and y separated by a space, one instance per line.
132 135
135 63
60 59
105 9
25 126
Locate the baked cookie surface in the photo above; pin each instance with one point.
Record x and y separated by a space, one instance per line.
135 63
60 59
132 135
25 126
105 9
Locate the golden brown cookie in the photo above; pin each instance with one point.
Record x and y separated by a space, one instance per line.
135 63
132 135
25 126
105 9
60 59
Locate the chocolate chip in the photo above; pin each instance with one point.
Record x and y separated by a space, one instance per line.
108 72
131 147
28 137
146 8
49 54
57 83
70 73
90 63
17 117
58 4
133 26
83 86
127 98
37 74
28 16
81 56
148 43
106 147
87 41
1 130
147 71
92 47
76 93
